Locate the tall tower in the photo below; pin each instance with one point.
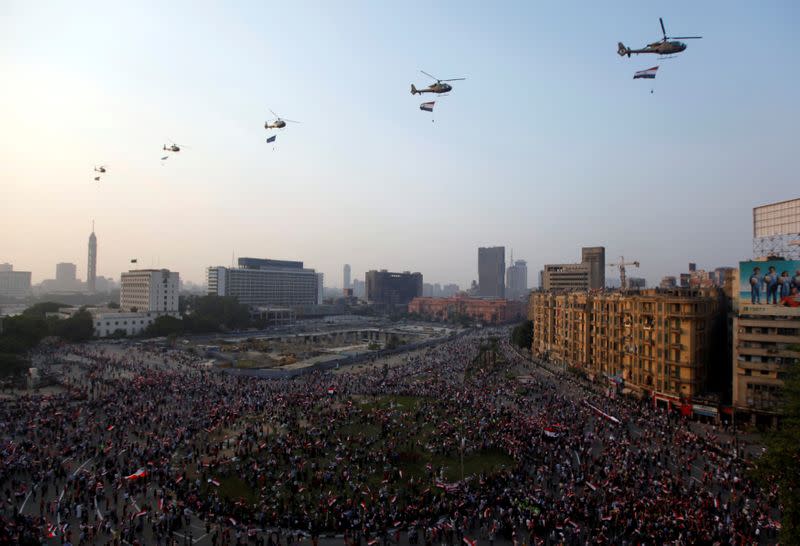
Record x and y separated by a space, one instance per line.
91 269
492 272
346 276
595 256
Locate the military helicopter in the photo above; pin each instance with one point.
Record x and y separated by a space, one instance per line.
278 122
172 147
439 87
662 47
101 169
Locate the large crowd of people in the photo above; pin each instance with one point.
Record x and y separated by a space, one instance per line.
142 445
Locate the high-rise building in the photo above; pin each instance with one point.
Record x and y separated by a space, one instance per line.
590 274
491 272
636 283
656 342
66 274
595 257
766 336
517 280
264 282
15 284
346 276
91 269
386 288
320 287
359 289
150 291
776 230
566 277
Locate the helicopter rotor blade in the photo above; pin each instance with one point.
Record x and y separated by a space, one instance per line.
453 80
292 120
273 113
429 75
664 32
684 37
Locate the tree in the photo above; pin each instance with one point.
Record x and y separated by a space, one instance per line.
39 310
780 464
165 325
78 327
113 305
212 313
522 335
12 365
22 332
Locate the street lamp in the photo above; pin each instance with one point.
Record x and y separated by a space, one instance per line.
463 441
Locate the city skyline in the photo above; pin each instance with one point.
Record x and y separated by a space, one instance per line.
574 155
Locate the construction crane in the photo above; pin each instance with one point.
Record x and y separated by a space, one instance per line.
623 280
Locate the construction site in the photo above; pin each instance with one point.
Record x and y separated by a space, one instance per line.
292 353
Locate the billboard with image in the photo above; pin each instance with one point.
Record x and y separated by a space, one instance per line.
771 282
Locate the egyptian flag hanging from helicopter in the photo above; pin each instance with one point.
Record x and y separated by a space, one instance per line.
649 74
272 138
427 106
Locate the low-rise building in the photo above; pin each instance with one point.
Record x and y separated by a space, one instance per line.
637 283
668 282
492 311
113 322
15 284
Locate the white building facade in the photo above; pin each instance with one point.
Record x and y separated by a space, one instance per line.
265 282
150 291
112 322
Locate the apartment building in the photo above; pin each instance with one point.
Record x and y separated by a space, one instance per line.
657 342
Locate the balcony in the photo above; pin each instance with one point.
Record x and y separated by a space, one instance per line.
771 338
771 352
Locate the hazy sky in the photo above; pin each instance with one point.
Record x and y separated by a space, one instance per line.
549 144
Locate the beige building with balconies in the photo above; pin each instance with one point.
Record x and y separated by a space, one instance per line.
657 341
762 351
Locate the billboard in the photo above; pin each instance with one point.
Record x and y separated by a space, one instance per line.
772 282
777 219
